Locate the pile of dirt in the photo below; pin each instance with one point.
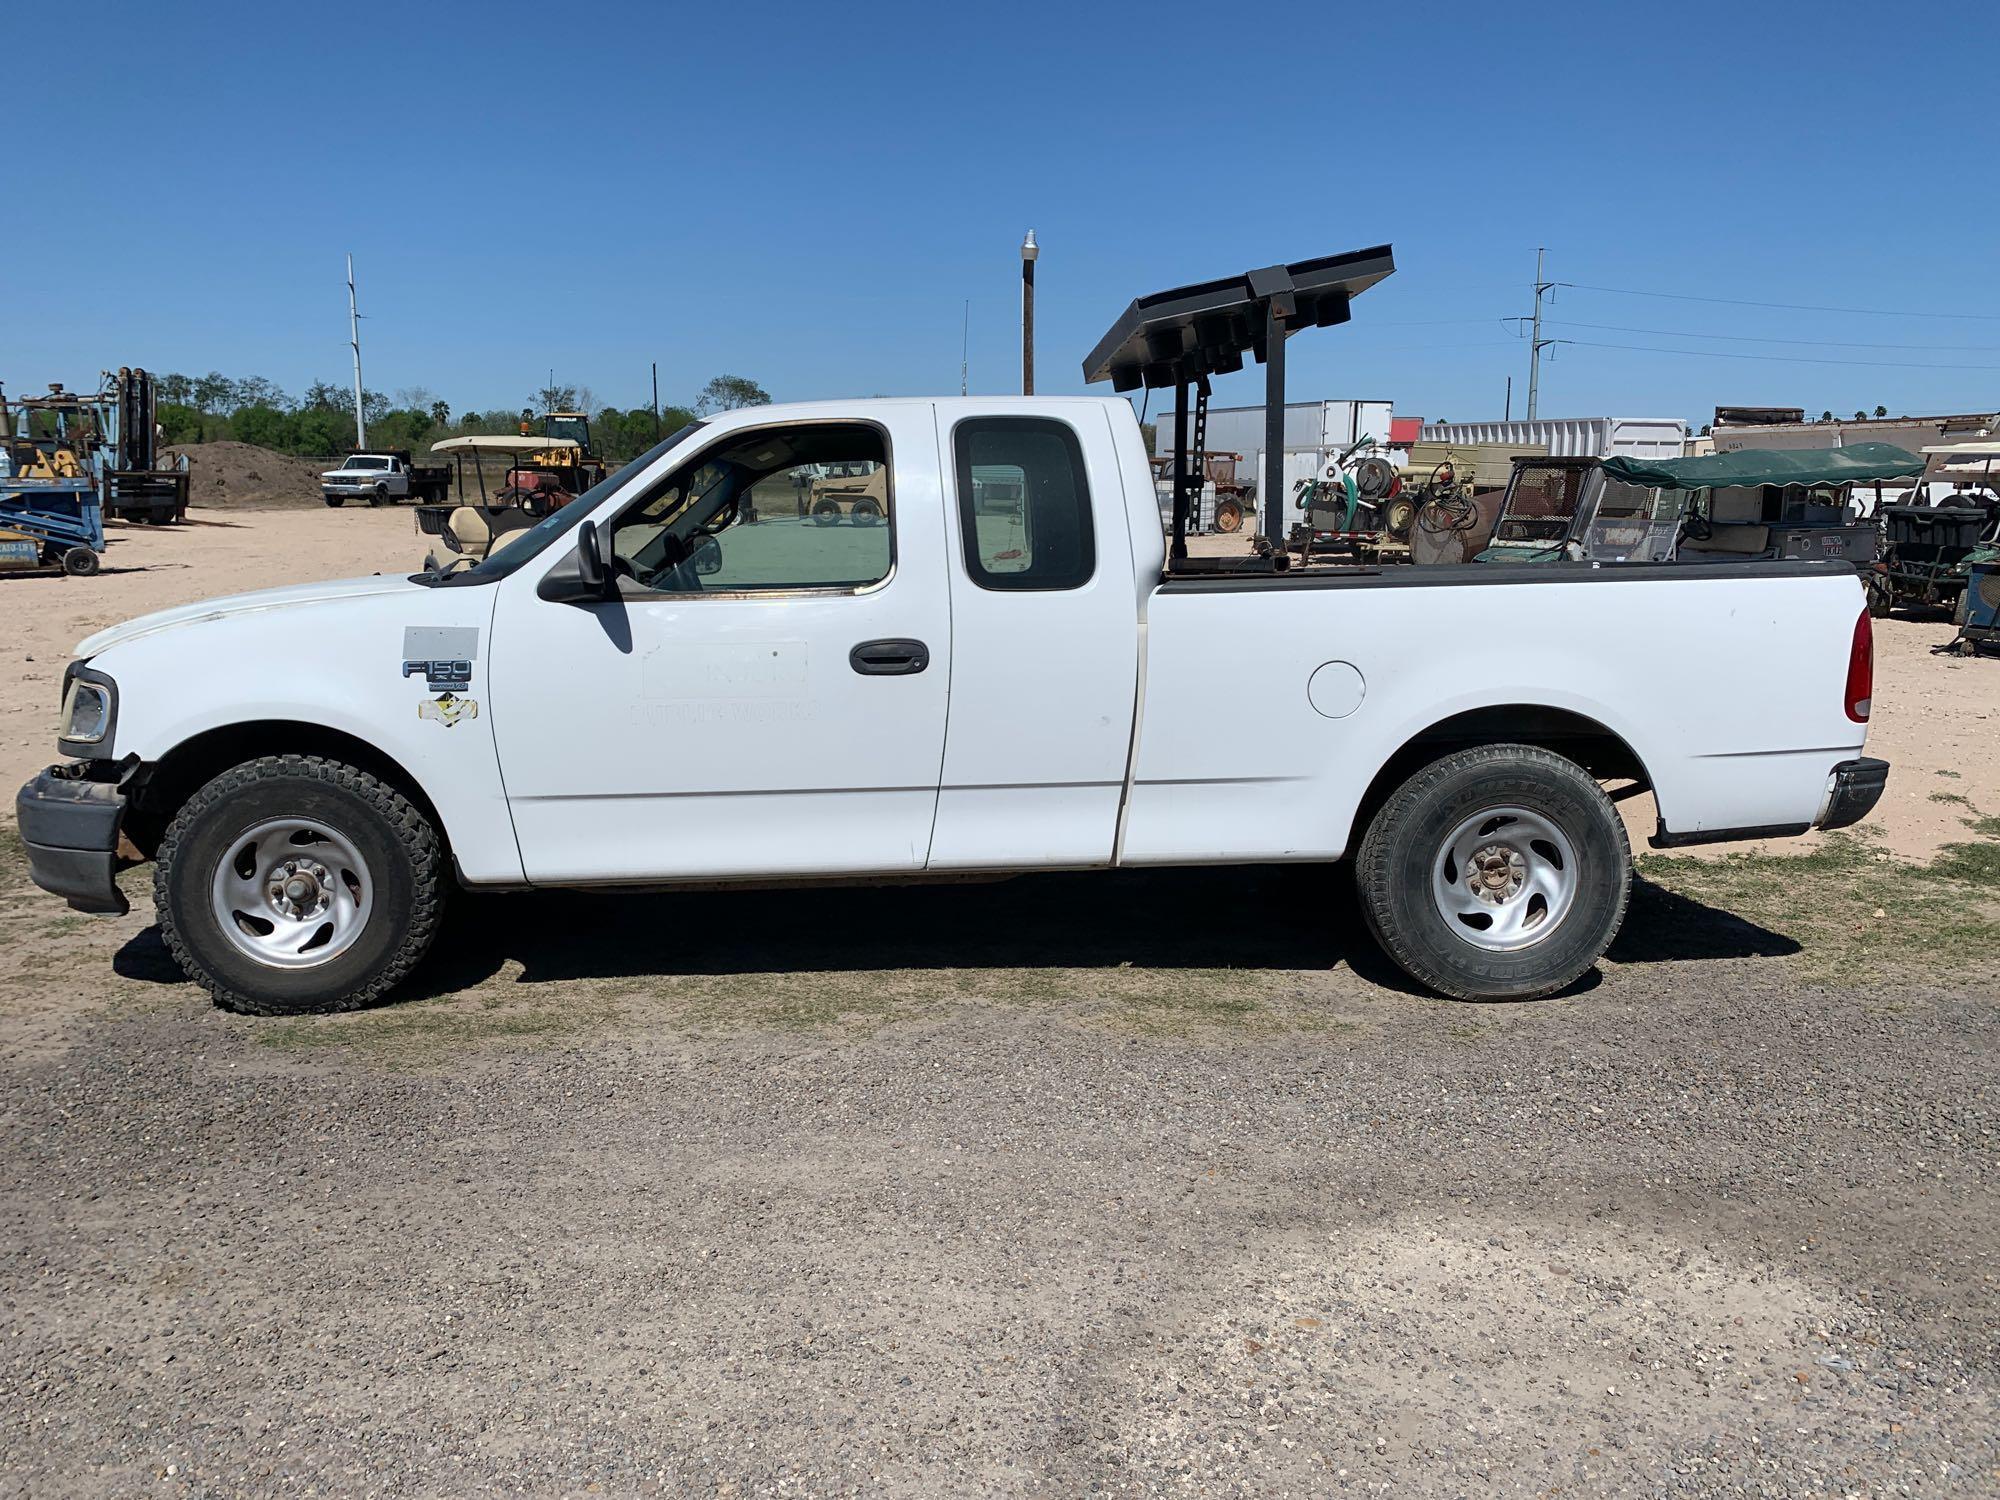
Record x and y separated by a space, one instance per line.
242 476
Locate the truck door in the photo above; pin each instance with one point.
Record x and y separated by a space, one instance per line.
766 695
1044 640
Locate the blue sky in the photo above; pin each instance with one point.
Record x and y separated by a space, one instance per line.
808 194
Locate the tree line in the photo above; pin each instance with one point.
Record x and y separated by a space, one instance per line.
320 423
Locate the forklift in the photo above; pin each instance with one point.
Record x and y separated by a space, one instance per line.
110 438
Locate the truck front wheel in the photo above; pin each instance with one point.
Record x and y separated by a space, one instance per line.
294 883
1497 873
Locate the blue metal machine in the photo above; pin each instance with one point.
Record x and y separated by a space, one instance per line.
46 519
1979 632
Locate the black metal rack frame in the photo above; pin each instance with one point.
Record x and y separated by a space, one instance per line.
1182 336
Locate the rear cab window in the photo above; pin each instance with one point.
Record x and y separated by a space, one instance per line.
1023 504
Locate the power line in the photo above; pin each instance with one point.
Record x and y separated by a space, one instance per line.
1859 312
1788 359
1746 338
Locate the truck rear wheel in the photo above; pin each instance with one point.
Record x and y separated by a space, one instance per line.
1497 873
295 884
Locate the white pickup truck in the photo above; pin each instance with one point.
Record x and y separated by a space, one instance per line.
380 478
687 676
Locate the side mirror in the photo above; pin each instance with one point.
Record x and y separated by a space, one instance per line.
583 577
705 557
590 569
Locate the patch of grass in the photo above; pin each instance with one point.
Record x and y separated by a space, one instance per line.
13 861
421 1032
1957 798
1179 1002
1854 911
1952 774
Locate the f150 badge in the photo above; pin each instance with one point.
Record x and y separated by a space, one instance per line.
440 676
448 708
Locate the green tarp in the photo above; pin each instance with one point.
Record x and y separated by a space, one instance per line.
1858 463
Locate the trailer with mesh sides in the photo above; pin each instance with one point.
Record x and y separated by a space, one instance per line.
1927 553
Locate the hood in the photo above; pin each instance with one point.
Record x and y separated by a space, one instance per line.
239 604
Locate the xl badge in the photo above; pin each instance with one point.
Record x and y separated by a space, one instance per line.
448 709
441 676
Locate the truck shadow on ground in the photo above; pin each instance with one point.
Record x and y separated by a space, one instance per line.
1277 918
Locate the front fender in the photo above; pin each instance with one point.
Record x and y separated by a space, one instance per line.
339 665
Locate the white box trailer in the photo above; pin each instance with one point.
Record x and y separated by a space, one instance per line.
1315 434
1308 424
1574 437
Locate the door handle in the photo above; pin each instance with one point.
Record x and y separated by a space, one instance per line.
892 658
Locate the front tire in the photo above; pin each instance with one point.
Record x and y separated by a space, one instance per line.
296 884
1497 873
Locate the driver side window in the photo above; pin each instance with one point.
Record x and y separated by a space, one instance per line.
804 507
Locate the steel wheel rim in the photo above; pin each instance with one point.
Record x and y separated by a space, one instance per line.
291 893
1504 878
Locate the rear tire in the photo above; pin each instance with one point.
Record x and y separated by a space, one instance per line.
80 562
1531 823
364 844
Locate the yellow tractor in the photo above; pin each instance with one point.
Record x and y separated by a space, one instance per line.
550 477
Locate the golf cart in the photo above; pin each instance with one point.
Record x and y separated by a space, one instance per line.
1565 509
1721 507
524 487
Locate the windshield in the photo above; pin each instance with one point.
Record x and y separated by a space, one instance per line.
1541 504
366 463
567 425
538 538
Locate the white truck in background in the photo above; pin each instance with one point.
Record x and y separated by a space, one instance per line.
380 478
682 676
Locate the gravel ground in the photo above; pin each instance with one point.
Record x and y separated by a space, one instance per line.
1017 1202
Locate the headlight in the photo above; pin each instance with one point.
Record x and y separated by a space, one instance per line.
86 712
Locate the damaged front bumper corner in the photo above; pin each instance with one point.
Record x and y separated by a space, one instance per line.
70 824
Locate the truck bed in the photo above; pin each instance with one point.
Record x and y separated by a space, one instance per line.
1273 700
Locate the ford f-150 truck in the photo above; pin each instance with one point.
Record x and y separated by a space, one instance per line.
380 478
680 677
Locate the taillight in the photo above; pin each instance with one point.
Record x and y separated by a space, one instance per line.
1861 670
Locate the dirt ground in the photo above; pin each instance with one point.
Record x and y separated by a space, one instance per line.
1146 1184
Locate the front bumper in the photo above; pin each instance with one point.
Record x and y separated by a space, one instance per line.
1852 792
70 828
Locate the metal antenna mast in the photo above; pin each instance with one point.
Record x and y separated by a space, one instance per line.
964 346
354 338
